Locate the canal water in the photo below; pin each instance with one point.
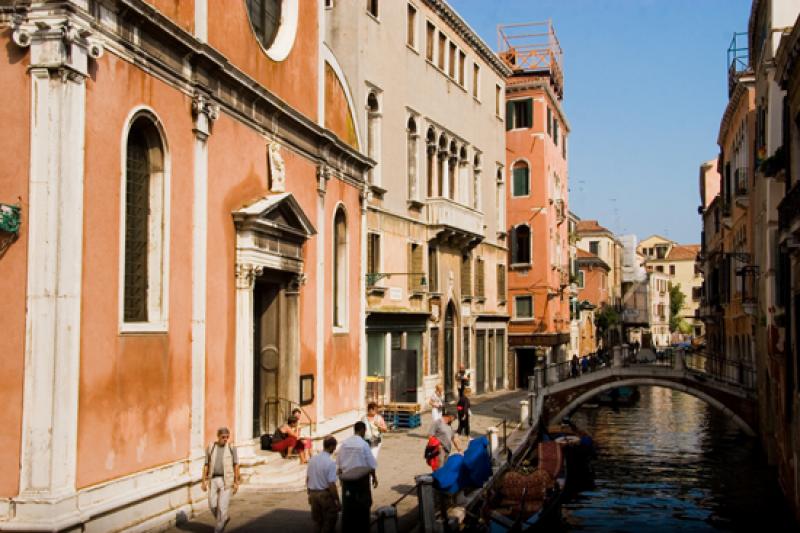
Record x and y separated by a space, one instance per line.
673 463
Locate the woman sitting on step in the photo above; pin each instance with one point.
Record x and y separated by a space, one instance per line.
287 438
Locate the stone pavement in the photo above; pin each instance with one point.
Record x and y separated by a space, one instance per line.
400 459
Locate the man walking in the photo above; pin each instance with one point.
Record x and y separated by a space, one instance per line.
322 493
444 434
222 468
356 466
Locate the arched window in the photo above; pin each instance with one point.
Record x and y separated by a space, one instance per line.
430 162
340 269
452 162
476 181
265 17
521 245
144 227
521 179
441 167
374 136
411 129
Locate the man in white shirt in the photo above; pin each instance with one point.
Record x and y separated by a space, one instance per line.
321 484
356 466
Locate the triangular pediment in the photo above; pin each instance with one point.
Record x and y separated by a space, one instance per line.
279 213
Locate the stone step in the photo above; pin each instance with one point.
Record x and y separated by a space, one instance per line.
277 475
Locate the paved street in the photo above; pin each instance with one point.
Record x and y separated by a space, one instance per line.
399 461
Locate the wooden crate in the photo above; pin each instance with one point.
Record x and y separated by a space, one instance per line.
402 407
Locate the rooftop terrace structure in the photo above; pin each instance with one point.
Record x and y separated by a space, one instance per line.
532 48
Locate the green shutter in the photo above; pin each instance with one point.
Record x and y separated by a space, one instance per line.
528 113
520 178
509 115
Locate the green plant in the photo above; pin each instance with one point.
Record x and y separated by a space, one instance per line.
676 301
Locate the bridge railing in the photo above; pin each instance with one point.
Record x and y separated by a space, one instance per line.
720 369
736 373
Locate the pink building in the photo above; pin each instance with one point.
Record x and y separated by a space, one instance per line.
191 187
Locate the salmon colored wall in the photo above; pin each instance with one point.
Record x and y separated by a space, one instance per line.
543 158
180 11
594 290
338 115
134 400
342 358
14 174
237 175
295 79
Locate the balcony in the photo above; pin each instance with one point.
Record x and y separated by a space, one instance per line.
738 60
455 223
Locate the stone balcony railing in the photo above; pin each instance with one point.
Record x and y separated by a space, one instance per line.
447 215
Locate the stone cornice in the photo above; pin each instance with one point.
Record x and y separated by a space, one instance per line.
744 84
535 84
143 36
454 20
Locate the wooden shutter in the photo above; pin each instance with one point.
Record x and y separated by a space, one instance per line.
479 281
416 265
527 113
509 115
466 276
501 282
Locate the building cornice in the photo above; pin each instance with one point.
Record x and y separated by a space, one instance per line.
745 83
460 26
152 42
536 84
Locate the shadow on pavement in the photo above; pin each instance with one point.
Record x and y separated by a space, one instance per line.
283 520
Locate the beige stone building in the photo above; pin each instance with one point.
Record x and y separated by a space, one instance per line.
435 250
678 262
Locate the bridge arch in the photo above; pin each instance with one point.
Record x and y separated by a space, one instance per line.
654 382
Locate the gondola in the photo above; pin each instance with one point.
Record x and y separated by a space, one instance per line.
528 495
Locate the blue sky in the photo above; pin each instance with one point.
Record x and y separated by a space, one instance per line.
645 87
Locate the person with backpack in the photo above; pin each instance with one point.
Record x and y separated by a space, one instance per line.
376 426
220 477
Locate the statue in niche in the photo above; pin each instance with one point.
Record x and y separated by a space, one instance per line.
277 169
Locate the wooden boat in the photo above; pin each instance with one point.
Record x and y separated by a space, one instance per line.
527 495
619 397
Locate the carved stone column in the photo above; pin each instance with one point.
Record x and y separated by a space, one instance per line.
204 113
246 275
60 52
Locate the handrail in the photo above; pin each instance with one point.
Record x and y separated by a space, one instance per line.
276 400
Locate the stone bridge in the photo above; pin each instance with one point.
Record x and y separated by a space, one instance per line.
727 386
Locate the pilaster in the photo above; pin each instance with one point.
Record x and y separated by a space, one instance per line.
246 275
204 113
323 175
60 52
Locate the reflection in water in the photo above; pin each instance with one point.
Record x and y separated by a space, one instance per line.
674 463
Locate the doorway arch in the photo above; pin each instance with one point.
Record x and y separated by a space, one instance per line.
450 328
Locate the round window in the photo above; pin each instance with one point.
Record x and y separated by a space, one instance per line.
275 24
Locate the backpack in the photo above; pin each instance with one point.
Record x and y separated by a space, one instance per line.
266 442
432 449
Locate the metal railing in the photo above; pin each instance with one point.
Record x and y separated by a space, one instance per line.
277 410
720 369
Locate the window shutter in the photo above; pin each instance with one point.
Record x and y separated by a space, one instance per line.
370 254
479 282
416 265
528 113
466 276
501 282
514 250
509 115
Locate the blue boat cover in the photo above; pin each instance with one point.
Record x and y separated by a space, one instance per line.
469 470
